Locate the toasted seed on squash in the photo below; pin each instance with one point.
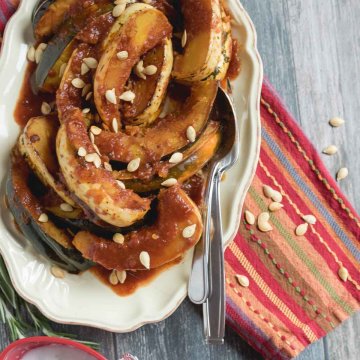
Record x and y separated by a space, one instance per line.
175 211
139 33
94 186
122 147
202 51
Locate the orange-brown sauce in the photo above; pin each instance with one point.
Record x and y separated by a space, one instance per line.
235 63
134 279
28 104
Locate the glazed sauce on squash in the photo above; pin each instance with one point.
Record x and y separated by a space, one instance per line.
134 279
28 104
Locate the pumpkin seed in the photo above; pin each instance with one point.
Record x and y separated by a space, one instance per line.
86 110
310 219
242 280
275 206
115 125
191 134
184 39
169 182
343 273
84 69
113 279
342 174
66 207
249 217
43 218
121 184
189 231
81 151
176 158
78 83
31 53
95 130
145 259
127 96
90 157
92 137
268 191
57 272
107 166
45 108
118 238
122 55
133 165
263 222
276 196
91 62
330 150
97 160
118 9
111 96
336 122
121 275
139 70
301 229
150 70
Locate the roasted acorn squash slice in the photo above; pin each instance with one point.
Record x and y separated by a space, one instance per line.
141 32
163 241
166 135
47 238
195 158
94 186
202 51
37 145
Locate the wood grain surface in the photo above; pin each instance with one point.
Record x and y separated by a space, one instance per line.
311 54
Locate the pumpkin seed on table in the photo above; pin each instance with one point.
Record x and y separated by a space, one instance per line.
342 174
270 193
242 280
263 222
343 273
336 122
330 150
249 217
275 206
310 219
301 229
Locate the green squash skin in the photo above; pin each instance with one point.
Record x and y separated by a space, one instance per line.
59 51
184 170
68 259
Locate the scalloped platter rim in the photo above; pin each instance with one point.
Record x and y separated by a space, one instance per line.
75 299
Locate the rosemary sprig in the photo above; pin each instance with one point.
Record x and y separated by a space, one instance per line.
11 305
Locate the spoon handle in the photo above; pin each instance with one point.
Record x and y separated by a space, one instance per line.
198 289
214 307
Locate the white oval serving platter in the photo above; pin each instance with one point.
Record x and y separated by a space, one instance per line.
83 299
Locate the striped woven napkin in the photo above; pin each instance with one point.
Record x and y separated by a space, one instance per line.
295 294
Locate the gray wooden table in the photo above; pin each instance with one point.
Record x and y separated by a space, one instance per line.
311 54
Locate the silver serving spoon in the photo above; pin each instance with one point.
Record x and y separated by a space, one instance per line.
203 287
227 155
